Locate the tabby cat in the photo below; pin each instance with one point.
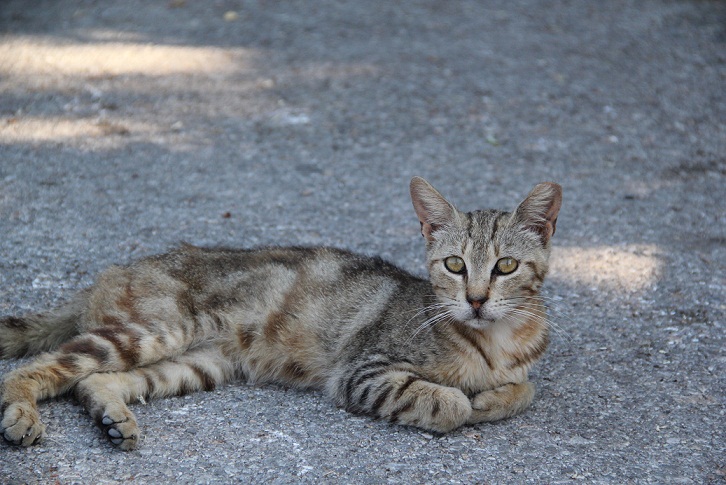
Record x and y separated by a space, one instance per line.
435 354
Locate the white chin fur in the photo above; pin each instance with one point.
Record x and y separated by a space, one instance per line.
480 323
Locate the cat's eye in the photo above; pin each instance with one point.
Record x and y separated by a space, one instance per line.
455 264
506 265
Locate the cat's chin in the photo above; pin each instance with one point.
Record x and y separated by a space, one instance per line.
480 323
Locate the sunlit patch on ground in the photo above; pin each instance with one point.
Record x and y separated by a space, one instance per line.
24 56
56 129
622 268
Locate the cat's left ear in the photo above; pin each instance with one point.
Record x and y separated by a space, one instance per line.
433 210
538 212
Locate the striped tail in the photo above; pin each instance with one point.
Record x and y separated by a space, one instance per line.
32 334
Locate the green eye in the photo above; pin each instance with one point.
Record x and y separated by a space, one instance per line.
455 264
507 265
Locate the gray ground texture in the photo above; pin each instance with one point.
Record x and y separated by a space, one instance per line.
129 126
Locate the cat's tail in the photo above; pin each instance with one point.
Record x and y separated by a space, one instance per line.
35 333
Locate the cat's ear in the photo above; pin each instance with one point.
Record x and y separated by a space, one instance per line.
433 210
538 212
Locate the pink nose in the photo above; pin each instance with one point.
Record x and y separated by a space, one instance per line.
476 302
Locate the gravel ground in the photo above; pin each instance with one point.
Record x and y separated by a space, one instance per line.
129 126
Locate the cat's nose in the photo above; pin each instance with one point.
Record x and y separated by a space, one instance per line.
476 301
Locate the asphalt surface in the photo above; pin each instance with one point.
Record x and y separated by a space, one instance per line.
129 126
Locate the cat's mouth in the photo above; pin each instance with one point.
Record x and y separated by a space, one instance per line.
478 310
478 319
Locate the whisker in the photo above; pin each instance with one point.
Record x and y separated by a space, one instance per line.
445 315
433 307
551 305
535 307
526 314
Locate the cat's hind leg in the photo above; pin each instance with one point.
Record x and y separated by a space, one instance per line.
105 395
130 321
111 348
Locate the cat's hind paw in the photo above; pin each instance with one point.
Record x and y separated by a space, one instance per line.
120 428
21 425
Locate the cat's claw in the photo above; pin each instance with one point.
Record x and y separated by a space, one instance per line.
21 425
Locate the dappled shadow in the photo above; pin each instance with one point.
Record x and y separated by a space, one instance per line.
175 74
171 95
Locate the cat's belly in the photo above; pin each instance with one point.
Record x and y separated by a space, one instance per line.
279 351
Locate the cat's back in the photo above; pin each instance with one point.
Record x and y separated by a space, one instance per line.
200 265
320 286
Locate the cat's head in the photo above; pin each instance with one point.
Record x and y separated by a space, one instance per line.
485 264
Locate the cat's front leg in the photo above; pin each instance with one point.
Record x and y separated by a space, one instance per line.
501 402
403 397
427 405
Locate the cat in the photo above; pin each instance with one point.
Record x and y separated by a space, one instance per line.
437 354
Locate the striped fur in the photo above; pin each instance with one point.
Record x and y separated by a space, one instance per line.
376 339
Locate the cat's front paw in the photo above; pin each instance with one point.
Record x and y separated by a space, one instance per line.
433 407
453 407
21 424
501 402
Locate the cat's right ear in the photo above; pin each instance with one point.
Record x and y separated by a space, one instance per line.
433 210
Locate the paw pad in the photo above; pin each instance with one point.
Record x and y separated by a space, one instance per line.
123 434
